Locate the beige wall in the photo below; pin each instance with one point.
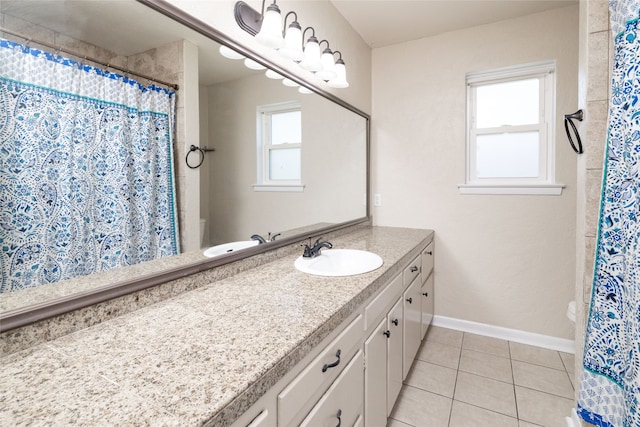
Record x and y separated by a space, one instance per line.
507 261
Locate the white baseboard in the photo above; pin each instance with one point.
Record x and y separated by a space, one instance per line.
544 341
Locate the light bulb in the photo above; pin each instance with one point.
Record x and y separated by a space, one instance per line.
270 34
340 80
292 48
328 68
289 82
273 75
230 53
311 61
250 63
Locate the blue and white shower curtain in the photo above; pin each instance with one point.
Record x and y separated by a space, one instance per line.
609 392
86 169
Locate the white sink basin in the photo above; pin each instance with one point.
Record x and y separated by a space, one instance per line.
225 248
339 262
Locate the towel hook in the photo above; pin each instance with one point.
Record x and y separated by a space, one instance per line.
578 115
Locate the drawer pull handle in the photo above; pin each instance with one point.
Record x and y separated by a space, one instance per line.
429 253
410 300
332 365
339 415
414 269
395 322
387 333
426 294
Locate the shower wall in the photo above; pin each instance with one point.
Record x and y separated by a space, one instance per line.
595 77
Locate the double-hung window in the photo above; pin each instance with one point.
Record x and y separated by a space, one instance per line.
279 147
510 131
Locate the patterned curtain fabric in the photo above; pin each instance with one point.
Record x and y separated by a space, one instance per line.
610 386
86 169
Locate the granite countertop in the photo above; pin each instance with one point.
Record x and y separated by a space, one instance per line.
202 357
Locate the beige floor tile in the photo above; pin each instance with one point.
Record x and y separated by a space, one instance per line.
542 408
486 365
527 424
536 355
444 336
433 378
464 415
395 423
420 408
543 379
486 393
569 361
484 344
439 354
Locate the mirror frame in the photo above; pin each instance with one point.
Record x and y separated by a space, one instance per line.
24 316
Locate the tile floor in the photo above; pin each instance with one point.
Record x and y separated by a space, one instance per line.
461 379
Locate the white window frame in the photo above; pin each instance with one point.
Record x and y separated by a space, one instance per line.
545 182
264 147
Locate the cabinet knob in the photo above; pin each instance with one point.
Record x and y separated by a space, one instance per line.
387 333
332 365
339 415
395 322
426 294
414 269
410 300
428 253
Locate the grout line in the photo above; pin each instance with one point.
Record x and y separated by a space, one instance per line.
513 380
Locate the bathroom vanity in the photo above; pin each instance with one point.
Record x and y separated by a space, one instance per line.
265 347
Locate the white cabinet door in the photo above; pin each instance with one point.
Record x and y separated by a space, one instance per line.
426 304
375 376
394 355
412 325
343 402
427 261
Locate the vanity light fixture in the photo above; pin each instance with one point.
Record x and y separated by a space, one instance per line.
250 63
269 31
270 34
326 61
340 80
230 53
273 75
292 48
311 61
290 83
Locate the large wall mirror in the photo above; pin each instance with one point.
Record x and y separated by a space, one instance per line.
232 199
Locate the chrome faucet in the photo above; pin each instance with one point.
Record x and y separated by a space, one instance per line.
314 251
262 240
259 238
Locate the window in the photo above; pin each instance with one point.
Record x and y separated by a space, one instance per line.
510 139
279 147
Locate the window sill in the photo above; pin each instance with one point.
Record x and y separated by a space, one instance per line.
517 189
296 188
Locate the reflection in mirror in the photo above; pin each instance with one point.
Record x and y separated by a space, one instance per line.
241 192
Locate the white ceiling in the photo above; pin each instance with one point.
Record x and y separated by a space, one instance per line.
127 27
386 22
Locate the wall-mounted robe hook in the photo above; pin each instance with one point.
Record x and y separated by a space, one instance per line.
201 151
578 115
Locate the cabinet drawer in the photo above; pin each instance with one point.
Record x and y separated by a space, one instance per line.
342 404
377 308
427 261
319 374
411 271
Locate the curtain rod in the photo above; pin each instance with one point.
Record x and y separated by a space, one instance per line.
87 58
